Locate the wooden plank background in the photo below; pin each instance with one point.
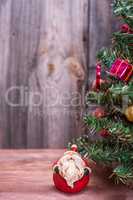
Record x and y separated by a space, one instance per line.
47 59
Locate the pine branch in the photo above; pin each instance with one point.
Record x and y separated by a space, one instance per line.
124 9
119 132
123 174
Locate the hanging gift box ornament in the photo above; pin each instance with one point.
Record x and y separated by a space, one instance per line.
122 69
71 172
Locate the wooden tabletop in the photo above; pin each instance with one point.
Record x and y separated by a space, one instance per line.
27 175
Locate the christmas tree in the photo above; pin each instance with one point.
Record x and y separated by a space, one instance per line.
112 93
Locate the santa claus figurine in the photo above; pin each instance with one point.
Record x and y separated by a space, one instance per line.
71 172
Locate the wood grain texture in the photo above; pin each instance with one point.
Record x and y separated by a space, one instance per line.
102 24
43 65
60 68
47 53
5 15
27 175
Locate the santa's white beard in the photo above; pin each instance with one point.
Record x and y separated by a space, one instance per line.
71 168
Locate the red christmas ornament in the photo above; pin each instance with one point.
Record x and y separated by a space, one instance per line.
125 28
122 69
104 133
99 112
71 172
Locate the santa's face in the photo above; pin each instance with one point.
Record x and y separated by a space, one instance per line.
71 167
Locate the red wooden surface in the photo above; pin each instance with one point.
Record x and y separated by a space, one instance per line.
27 175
